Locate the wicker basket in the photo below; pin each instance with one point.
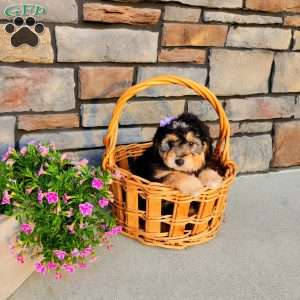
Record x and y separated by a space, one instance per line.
147 223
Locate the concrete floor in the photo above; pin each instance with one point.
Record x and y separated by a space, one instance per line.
256 255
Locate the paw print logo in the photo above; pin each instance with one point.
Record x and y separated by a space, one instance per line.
24 31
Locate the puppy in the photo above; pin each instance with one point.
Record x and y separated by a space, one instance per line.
179 156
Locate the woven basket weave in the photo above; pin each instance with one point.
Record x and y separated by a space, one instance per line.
148 224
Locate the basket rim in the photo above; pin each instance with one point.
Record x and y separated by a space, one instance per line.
230 174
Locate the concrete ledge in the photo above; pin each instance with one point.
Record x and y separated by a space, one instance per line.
12 273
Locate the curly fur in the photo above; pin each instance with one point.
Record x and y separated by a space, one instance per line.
157 162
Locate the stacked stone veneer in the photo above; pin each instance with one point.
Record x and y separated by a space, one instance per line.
246 51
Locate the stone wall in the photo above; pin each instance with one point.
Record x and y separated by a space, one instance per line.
246 51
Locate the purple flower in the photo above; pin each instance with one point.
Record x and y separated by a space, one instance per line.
40 196
82 266
166 121
114 231
103 202
52 197
71 228
86 252
93 259
41 171
26 228
70 213
117 175
86 209
43 150
52 146
6 155
6 198
23 151
97 183
82 225
28 191
64 156
51 265
10 162
69 268
40 268
66 198
75 252
83 163
60 254
20 259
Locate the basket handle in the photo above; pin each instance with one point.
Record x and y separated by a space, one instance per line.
222 148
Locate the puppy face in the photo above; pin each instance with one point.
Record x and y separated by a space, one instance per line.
183 144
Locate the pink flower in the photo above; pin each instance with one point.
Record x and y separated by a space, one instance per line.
75 252
117 175
28 191
64 156
86 209
86 252
117 229
23 151
52 146
41 171
6 155
60 254
69 268
82 225
26 228
97 183
12 249
71 228
114 231
82 266
43 150
40 196
10 162
6 198
40 268
103 202
70 213
20 259
83 162
51 265
66 198
93 259
58 275
52 197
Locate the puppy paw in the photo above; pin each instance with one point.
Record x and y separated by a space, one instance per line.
185 183
210 178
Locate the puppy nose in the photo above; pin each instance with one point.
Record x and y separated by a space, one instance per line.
179 162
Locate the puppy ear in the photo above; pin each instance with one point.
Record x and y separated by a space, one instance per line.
158 137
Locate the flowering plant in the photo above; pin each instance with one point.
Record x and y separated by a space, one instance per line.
5 208
60 206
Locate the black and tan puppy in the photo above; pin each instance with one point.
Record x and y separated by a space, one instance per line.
179 155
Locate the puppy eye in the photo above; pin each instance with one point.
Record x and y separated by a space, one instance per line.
164 147
171 144
191 144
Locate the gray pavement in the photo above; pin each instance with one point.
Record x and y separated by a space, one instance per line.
256 255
